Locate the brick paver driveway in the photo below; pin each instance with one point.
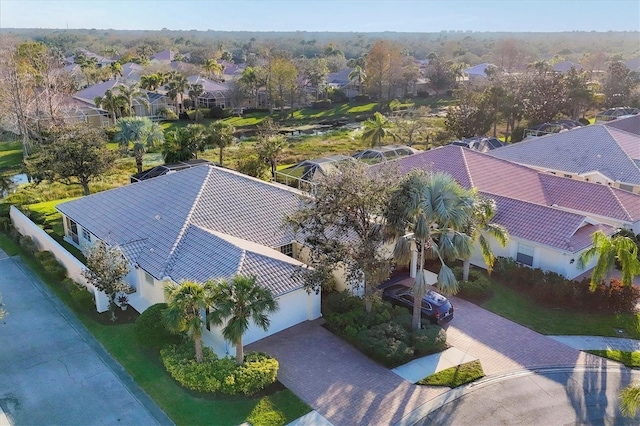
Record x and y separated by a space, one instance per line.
339 382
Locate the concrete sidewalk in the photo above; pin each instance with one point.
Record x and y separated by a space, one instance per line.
420 368
599 343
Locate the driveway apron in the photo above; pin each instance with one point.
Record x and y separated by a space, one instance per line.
52 371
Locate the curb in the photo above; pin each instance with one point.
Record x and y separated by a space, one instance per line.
425 409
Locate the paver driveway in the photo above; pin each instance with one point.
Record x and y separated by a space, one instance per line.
51 370
348 388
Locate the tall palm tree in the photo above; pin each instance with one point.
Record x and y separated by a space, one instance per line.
176 86
357 75
213 68
177 146
198 134
140 132
112 103
251 81
186 302
430 210
151 82
376 129
609 250
132 94
116 69
479 225
221 135
236 302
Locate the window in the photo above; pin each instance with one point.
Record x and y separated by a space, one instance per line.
86 235
626 187
287 249
72 227
148 279
525 254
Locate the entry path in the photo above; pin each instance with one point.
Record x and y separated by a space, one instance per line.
52 371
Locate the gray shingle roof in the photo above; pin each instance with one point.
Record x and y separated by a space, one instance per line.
629 124
586 149
173 214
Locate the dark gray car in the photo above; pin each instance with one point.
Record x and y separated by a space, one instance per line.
435 307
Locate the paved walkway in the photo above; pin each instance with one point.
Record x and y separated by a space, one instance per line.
599 343
420 368
52 371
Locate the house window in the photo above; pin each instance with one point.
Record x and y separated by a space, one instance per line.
525 254
287 249
148 279
72 227
626 187
86 235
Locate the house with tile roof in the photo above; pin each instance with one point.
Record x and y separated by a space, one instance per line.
215 94
550 218
608 154
200 223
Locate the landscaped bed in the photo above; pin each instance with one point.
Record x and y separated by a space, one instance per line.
455 376
630 359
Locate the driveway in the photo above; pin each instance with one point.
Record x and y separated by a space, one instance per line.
52 371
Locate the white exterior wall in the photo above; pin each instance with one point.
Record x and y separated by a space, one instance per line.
545 258
45 243
295 307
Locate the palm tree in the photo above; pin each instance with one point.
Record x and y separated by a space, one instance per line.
269 149
176 86
111 103
151 82
251 81
185 304
195 91
357 75
213 68
484 209
236 302
133 93
116 69
177 146
630 400
221 135
376 129
430 210
609 250
139 131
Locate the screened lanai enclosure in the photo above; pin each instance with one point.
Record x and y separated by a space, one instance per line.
301 175
615 113
479 143
551 127
165 169
384 153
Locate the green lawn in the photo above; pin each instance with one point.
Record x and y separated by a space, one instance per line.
10 157
630 359
145 367
516 307
455 376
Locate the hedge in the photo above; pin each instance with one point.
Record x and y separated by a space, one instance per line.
215 374
554 290
385 333
477 288
150 328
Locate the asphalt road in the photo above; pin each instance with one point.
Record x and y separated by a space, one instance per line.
548 398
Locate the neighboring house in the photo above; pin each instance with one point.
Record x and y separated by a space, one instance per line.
157 102
564 66
340 80
550 218
633 64
476 72
201 223
597 153
215 94
231 71
132 72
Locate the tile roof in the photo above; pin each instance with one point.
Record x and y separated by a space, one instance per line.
585 149
551 197
207 85
628 124
90 93
159 221
561 229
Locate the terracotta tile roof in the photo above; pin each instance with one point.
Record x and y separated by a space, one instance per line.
554 227
597 147
160 222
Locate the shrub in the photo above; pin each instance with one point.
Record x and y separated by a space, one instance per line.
28 245
81 297
215 374
51 264
429 340
218 113
150 328
475 289
323 104
362 99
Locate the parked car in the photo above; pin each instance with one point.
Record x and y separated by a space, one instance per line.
435 307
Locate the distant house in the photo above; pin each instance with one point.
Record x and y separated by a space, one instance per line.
476 71
564 66
479 143
340 80
231 71
550 218
215 94
598 153
633 64
197 224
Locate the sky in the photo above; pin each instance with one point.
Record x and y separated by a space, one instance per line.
326 15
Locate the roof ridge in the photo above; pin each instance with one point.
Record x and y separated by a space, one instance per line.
187 222
243 256
621 204
559 208
466 166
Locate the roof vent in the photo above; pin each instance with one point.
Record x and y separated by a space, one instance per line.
157 217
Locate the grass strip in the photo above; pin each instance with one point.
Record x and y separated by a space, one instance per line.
630 359
455 376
